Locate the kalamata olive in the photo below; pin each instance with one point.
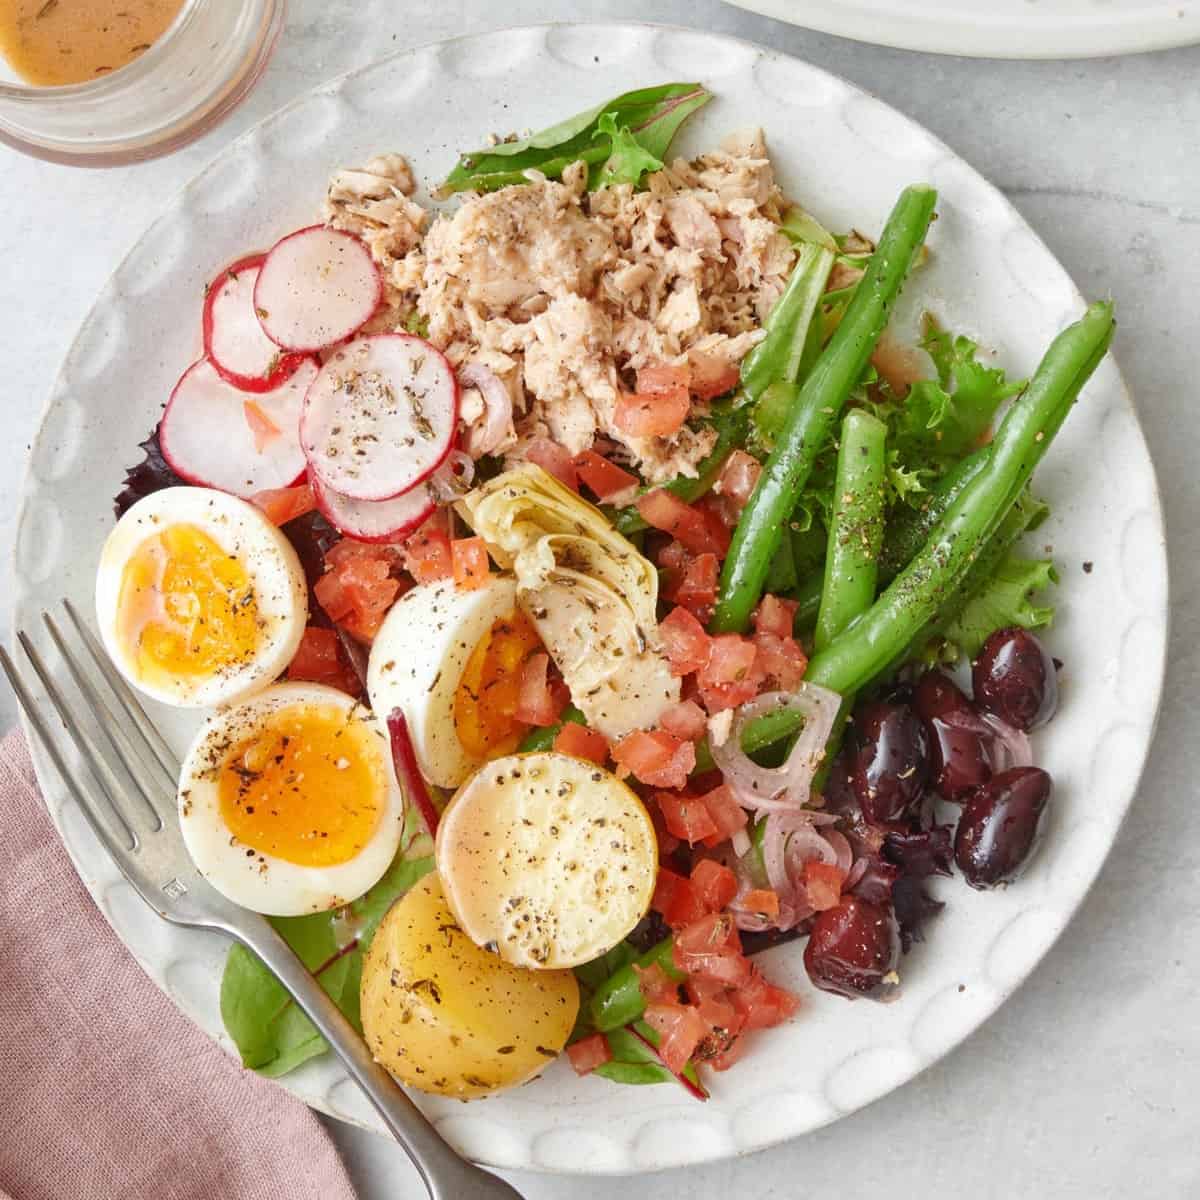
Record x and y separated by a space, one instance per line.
854 948
1014 678
999 826
958 738
889 761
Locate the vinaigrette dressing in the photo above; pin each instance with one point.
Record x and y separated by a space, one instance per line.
50 42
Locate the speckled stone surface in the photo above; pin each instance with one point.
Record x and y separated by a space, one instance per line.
1077 1086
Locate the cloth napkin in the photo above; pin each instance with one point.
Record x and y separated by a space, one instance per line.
106 1091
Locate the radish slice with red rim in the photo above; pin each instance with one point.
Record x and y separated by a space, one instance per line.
234 339
316 287
380 417
374 520
215 435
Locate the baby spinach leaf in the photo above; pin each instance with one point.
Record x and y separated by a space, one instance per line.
650 116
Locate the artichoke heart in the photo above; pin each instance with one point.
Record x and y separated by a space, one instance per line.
591 595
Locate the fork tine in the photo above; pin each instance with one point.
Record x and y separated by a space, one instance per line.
100 769
124 693
76 790
126 752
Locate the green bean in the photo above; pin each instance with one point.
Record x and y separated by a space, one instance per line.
543 737
619 1000
731 433
808 603
856 529
812 418
882 634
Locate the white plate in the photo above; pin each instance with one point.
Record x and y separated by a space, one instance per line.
999 28
846 156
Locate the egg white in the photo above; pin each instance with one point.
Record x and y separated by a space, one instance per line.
417 661
262 882
268 558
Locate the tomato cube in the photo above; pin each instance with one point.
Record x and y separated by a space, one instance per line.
589 1053
469 558
656 758
604 478
715 884
581 742
684 639
652 414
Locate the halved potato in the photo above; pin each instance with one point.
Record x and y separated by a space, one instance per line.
444 1016
546 859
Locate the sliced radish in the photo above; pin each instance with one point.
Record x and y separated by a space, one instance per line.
380 416
233 337
214 434
374 520
315 288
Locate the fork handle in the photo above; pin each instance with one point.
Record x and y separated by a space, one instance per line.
445 1173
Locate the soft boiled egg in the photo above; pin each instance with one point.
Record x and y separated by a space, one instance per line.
546 859
450 659
288 802
200 600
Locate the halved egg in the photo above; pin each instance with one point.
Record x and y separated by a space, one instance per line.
288 802
546 859
200 600
450 659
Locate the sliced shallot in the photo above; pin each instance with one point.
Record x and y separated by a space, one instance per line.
1011 747
215 435
316 287
380 416
495 426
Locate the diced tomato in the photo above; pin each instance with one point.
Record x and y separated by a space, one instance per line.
427 556
680 1028
655 757
358 588
686 816
775 615
539 702
684 720
715 883
823 884
318 659
762 900
262 428
582 742
676 899
684 639
711 513
282 505
664 377
724 1059
732 674
604 478
697 589
553 458
469 560
652 414
673 557
727 814
738 479
687 524
589 1053
761 1004
667 842
712 375
656 985
713 1003
711 949
781 661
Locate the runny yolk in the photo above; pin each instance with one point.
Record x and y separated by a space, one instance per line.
186 607
485 703
308 786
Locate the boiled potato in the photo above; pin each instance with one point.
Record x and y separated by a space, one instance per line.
547 859
444 1016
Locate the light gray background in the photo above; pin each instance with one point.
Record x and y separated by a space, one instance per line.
1084 1084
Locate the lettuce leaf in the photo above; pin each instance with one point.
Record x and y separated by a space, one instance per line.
1007 598
629 160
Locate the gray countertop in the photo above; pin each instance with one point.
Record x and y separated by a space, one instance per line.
1082 1085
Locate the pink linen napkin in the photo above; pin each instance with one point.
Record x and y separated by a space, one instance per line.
106 1091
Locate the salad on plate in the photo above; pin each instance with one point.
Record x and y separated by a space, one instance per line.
589 590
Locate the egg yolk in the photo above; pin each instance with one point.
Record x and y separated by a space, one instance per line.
307 786
485 703
187 607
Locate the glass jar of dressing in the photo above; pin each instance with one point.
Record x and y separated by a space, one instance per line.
105 82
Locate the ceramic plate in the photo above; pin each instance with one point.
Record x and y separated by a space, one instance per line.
846 156
999 28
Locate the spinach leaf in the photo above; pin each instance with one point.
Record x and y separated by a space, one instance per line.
649 118
629 159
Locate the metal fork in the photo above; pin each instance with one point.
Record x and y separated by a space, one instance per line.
135 772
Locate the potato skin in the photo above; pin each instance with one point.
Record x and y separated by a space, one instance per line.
444 1016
